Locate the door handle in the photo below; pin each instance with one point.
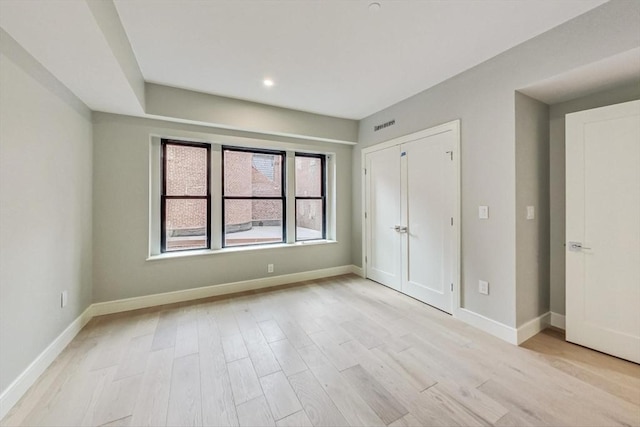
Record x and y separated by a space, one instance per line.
400 228
576 246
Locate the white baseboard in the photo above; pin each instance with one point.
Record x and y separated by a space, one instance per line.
29 376
533 326
500 330
135 303
359 271
558 320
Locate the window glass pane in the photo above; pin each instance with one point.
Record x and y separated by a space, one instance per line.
252 174
186 224
309 219
308 177
249 222
186 170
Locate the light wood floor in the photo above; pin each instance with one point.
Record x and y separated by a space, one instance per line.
334 352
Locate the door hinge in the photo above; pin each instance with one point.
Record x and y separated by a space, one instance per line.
366 260
452 287
451 220
450 153
365 215
365 171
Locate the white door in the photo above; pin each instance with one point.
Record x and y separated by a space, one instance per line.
410 216
603 229
384 258
430 191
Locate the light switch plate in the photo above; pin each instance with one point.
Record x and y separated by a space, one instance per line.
483 212
531 212
483 287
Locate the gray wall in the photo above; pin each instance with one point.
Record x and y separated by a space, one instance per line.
532 189
121 217
483 98
557 178
45 214
233 113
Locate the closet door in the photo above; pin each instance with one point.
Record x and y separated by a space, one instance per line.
383 210
429 204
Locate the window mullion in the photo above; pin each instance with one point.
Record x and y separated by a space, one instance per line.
290 189
215 184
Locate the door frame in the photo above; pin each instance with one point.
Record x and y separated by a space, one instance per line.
452 126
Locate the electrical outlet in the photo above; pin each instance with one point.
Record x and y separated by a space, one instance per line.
531 212
483 212
269 268
483 287
64 298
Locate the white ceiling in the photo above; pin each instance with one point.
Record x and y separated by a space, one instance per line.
334 57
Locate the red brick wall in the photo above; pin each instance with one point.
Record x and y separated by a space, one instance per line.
186 176
187 169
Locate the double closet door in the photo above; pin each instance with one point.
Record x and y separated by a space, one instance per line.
410 217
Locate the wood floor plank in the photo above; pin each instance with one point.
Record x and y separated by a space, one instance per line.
336 354
255 412
245 319
117 400
295 335
280 396
287 357
135 357
363 332
226 319
151 407
337 333
122 422
407 421
407 367
185 407
318 406
234 348
186 338
346 398
147 323
388 408
458 413
166 330
244 381
299 419
476 401
264 362
271 331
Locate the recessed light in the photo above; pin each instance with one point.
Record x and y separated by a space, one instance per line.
374 7
268 82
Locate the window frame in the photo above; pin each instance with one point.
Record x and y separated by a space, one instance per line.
164 197
282 198
323 194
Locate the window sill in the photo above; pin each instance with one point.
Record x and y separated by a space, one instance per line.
185 254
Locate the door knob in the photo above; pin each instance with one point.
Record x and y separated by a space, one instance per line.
576 246
400 228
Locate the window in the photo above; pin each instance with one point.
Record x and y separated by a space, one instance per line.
207 197
311 204
185 198
253 196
